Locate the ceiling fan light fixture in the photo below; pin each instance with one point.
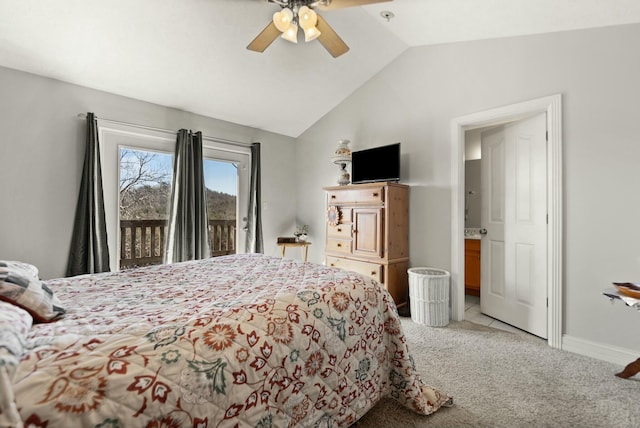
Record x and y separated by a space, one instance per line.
301 13
282 20
291 33
311 33
307 17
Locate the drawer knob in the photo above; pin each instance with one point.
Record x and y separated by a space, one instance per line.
338 245
333 196
339 230
375 194
332 265
373 272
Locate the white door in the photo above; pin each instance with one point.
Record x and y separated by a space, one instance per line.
514 213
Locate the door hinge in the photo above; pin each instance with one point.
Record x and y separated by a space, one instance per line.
546 135
547 302
547 218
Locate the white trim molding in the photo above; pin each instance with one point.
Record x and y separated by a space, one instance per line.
552 106
611 354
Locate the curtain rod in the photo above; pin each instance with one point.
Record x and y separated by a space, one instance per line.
152 128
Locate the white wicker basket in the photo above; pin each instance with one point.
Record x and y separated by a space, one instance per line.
429 296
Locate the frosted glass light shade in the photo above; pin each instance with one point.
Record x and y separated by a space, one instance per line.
311 33
291 34
307 17
282 19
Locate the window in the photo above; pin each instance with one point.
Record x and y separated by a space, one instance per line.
221 181
145 179
226 176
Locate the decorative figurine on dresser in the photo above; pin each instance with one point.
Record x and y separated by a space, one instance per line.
342 157
368 232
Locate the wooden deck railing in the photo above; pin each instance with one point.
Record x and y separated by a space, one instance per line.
222 237
142 241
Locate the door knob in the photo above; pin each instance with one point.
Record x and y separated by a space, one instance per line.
482 231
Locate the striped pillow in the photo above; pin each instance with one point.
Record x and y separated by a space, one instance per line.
21 287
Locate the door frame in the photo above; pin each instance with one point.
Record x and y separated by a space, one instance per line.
552 106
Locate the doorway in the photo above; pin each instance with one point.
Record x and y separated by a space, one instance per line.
507 249
552 107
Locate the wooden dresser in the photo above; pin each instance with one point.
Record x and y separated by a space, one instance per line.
368 232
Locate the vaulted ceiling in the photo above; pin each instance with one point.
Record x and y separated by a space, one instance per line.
190 54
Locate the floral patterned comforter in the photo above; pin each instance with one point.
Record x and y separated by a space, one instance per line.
235 341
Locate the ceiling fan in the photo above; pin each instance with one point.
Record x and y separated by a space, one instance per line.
301 13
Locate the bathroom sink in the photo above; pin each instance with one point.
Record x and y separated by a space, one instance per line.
472 233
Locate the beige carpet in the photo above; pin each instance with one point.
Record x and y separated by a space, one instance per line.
502 379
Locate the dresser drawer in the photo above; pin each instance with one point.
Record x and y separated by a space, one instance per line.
355 196
368 269
341 231
339 246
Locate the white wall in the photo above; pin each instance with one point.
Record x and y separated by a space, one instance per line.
413 101
42 149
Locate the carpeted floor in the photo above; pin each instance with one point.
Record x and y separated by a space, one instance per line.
511 380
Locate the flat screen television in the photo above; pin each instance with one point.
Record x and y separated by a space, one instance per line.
376 164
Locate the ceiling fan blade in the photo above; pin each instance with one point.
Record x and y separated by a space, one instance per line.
330 39
339 4
264 39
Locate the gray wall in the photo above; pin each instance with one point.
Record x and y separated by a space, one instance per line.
413 101
41 154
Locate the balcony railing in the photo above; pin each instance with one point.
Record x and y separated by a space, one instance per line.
142 241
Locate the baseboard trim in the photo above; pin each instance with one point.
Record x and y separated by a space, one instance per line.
611 354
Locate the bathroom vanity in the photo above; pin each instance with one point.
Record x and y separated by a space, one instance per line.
472 263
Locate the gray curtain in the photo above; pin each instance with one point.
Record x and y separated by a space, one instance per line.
254 242
187 234
89 251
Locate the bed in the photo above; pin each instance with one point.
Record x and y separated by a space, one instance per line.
234 341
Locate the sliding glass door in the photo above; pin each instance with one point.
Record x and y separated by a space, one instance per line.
137 175
226 177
